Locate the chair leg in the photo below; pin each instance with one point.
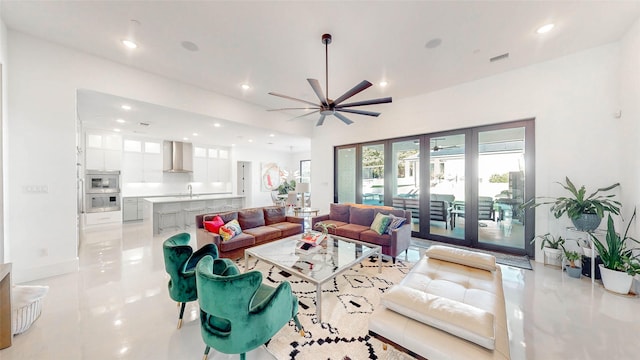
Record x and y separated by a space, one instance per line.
182 305
243 356
206 352
298 325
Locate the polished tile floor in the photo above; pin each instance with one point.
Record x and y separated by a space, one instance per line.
117 306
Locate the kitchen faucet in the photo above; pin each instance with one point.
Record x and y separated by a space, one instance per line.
190 188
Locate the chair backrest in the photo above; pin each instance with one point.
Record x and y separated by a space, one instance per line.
485 208
292 198
177 251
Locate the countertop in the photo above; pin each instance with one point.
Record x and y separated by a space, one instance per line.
187 198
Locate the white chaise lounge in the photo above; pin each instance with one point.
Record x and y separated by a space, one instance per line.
450 306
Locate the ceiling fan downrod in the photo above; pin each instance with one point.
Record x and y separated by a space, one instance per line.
326 40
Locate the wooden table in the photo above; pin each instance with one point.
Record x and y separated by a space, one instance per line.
5 306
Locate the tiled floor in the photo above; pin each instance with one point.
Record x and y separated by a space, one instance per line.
117 306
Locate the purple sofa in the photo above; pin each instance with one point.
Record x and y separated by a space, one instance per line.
354 220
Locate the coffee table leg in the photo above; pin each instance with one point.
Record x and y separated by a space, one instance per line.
246 261
379 262
319 302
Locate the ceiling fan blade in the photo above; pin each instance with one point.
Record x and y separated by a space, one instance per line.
321 120
315 85
366 102
292 98
356 89
361 112
303 115
343 118
304 108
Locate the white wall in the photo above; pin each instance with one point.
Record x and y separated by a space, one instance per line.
40 141
629 123
572 99
3 116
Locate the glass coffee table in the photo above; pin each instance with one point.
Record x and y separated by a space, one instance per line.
319 264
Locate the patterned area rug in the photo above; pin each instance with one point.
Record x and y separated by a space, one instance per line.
347 302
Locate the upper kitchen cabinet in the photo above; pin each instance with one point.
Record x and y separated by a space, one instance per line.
211 164
103 151
142 161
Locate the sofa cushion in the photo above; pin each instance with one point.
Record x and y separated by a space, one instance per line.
225 216
339 212
240 241
351 230
214 224
380 223
395 223
456 318
263 233
462 257
229 230
373 237
287 229
274 215
332 230
251 218
361 216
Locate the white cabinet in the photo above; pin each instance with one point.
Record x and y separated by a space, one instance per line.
132 208
103 151
211 165
142 161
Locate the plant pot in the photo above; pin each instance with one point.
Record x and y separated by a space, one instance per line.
587 222
553 256
574 272
616 281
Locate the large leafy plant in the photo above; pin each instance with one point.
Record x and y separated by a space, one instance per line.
616 255
578 203
550 241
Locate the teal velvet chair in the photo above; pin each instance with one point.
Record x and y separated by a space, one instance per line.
180 262
239 313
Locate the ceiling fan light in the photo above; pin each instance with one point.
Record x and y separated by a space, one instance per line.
383 83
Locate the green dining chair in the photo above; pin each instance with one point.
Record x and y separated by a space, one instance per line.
239 313
180 262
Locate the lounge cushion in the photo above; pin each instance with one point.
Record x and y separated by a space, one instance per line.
287 229
380 223
351 230
361 216
240 241
214 224
251 218
456 318
229 230
339 212
394 223
264 233
462 257
274 215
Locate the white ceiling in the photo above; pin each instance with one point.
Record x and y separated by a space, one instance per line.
276 46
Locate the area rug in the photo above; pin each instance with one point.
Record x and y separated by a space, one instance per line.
347 302
518 261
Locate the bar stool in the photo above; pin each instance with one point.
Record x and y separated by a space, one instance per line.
190 215
164 215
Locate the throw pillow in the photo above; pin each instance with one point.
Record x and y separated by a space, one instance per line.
214 224
229 230
395 223
380 223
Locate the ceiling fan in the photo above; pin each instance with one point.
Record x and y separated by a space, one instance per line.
333 107
438 148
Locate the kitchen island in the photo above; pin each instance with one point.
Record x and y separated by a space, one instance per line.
179 212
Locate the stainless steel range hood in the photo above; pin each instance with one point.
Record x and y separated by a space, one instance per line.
178 157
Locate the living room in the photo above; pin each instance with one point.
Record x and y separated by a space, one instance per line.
583 101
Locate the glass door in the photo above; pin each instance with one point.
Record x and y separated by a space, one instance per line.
405 186
345 170
501 188
372 174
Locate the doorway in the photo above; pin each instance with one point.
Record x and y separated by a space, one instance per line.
243 184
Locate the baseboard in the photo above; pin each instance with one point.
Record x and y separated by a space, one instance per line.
37 273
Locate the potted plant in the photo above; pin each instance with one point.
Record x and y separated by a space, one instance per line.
552 247
324 227
619 264
585 212
286 186
572 269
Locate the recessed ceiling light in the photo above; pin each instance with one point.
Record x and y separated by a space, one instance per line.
129 43
121 121
233 144
185 139
545 28
272 135
216 125
433 43
195 134
246 87
116 130
383 83
250 140
126 107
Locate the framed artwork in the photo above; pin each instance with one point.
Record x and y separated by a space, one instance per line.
270 176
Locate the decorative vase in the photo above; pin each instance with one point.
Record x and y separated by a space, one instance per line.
616 281
553 256
574 272
587 222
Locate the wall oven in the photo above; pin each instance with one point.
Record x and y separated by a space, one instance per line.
102 182
102 202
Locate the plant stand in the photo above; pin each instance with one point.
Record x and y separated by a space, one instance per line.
583 235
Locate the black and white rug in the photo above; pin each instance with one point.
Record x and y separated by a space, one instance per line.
347 302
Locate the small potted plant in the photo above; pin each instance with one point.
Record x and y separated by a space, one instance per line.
324 227
572 269
619 264
585 212
552 247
